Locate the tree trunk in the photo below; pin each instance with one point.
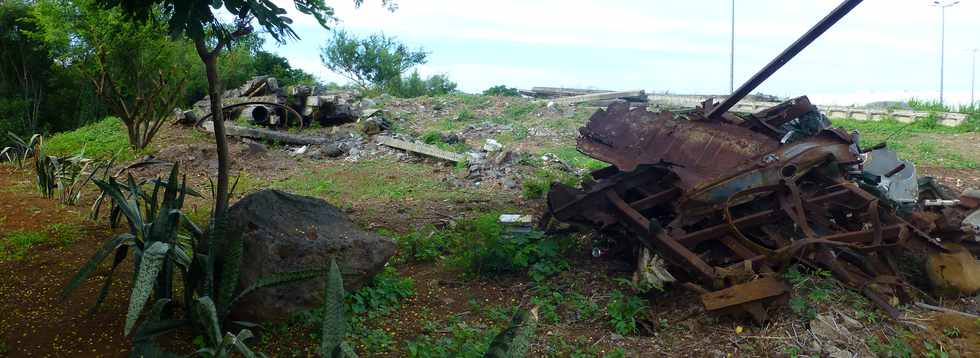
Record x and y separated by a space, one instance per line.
218 118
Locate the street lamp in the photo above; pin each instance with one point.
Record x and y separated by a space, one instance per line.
942 41
731 55
973 74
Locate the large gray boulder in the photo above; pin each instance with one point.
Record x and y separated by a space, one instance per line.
283 232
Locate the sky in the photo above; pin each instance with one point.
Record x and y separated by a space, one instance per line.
882 50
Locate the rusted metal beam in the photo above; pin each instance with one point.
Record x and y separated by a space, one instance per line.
784 57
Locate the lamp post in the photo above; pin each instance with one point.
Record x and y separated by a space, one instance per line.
942 39
731 55
973 73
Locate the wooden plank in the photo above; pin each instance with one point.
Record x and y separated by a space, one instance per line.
744 293
420 148
599 97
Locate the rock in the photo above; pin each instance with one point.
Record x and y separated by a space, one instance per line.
503 158
492 146
955 273
374 125
509 183
282 232
253 148
449 138
333 150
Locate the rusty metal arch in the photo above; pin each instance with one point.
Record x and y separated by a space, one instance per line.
253 103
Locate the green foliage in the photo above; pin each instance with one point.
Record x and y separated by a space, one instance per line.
15 245
462 340
376 62
423 245
270 64
19 150
814 288
624 311
150 265
934 350
536 186
916 141
382 296
487 248
100 140
25 69
501 90
414 86
137 70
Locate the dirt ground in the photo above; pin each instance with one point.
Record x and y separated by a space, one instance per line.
37 322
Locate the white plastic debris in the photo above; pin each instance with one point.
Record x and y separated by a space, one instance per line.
301 150
492 145
515 219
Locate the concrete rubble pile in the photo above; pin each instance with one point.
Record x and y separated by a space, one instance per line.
721 203
262 102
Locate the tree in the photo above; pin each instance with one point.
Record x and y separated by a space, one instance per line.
24 69
415 86
198 21
135 68
267 63
501 90
376 62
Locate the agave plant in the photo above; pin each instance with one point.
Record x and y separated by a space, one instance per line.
20 151
153 238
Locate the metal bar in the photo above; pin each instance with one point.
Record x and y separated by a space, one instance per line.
656 199
784 57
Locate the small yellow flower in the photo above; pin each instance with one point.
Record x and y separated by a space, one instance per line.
739 329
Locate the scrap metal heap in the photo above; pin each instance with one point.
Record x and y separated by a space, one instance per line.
730 202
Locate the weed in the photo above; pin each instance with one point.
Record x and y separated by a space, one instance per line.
579 347
571 155
65 233
934 350
385 294
425 245
952 332
100 140
814 287
585 308
540 182
896 347
16 245
516 112
548 301
460 340
487 249
465 115
624 311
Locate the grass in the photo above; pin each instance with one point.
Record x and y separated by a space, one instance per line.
375 180
916 141
16 245
100 140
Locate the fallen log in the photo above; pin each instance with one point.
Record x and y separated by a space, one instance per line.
420 148
637 96
268 134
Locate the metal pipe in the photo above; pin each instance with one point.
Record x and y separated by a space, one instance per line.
731 55
784 57
973 75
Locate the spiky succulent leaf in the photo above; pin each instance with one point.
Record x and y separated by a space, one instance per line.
230 269
150 265
207 317
277 279
334 326
238 341
515 340
128 207
94 262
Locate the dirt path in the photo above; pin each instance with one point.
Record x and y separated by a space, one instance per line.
35 322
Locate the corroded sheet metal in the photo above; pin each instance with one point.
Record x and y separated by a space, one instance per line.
629 138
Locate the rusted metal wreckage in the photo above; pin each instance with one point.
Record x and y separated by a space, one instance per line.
729 200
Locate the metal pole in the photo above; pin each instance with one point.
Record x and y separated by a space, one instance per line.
942 53
784 57
973 75
731 57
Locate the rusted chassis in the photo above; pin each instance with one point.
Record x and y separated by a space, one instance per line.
728 204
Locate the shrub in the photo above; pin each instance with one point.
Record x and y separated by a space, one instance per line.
488 249
624 311
501 90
